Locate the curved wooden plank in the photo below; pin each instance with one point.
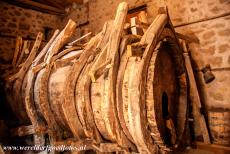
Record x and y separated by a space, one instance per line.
43 100
17 85
29 96
83 85
109 99
136 94
80 102
56 87
120 93
94 93
68 105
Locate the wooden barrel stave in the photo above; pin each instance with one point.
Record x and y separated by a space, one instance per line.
57 81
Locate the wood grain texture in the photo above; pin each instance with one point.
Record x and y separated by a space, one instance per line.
108 106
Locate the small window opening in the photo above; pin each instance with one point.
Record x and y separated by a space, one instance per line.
48 32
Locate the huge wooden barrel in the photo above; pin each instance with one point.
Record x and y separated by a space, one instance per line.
123 91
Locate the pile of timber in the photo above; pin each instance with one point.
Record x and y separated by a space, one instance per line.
117 92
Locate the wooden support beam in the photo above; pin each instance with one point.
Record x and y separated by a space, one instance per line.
24 49
188 38
64 52
195 98
17 51
28 4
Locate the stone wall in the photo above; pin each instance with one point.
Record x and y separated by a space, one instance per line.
16 21
79 14
214 49
210 22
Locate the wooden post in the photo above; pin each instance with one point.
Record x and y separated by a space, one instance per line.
18 48
195 98
25 47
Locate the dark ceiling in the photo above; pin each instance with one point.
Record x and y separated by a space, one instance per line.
48 6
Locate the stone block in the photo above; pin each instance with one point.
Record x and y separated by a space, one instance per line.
24 26
224 48
225 32
208 35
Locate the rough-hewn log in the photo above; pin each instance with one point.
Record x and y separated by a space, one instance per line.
110 77
195 98
29 96
25 47
19 81
23 131
17 50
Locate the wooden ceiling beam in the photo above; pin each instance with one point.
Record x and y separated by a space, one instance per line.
56 4
75 1
36 6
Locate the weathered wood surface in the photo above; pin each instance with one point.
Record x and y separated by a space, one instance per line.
61 39
32 112
82 97
17 80
110 91
120 80
18 49
43 97
80 39
68 106
195 98
25 47
110 77
93 98
136 118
